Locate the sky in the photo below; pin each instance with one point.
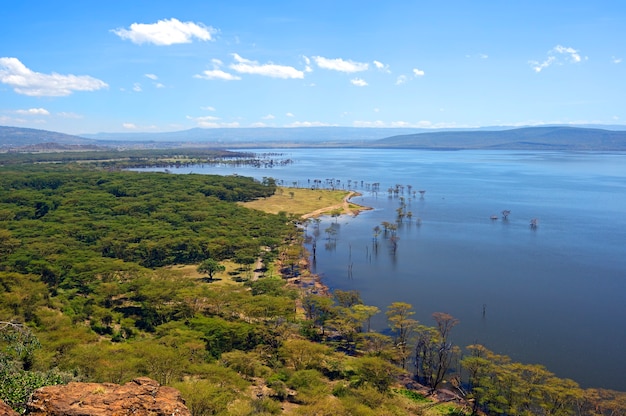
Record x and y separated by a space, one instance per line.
154 66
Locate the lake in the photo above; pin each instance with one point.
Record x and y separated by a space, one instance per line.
553 295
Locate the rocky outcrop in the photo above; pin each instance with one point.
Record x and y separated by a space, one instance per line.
140 397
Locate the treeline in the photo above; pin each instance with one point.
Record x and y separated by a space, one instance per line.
126 157
84 296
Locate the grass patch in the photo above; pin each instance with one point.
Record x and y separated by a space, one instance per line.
298 201
413 396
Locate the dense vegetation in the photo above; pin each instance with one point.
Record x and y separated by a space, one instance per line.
86 294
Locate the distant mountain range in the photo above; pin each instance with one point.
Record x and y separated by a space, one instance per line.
606 138
527 138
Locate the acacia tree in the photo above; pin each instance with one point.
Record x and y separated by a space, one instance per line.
211 267
399 317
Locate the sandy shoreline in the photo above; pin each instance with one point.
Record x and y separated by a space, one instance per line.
346 207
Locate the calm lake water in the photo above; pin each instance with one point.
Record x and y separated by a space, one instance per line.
554 295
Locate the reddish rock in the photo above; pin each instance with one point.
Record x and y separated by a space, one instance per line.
140 397
5 410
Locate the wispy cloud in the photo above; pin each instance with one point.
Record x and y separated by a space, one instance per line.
151 76
616 60
203 118
246 66
382 67
403 79
66 114
211 122
165 32
358 82
268 117
340 65
34 112
27 82
571 52
308 124
307 64
137 87
557 55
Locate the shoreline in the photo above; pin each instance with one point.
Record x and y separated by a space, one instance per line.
314 280
345 206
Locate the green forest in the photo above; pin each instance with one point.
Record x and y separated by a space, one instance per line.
91 290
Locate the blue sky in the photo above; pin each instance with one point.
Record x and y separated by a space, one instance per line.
120 66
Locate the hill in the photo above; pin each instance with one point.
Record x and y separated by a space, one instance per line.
13 137
527 138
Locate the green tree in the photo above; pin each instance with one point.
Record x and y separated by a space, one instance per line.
211 267
377 372
17 380
400 321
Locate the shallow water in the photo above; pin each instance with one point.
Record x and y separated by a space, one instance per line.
554 295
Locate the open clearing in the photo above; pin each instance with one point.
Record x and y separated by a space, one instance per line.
306 202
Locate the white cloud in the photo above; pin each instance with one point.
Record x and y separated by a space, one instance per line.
268 117
151 76
572 55
137 87
340 65
417 73
358 82
165 32
382 67
246 66
35 84
129 126
289 115
217 74
208 108
616 60
34 112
